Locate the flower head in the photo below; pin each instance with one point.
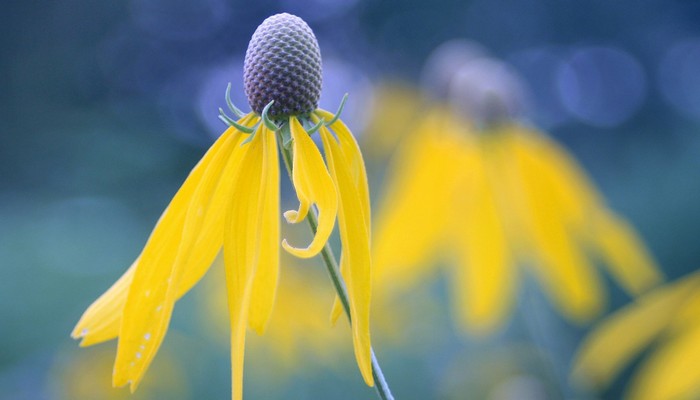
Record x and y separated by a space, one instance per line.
474 187
231 201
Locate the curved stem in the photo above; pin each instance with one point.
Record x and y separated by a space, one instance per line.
329 260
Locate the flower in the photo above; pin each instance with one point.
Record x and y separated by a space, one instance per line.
667 318
488 195
231 199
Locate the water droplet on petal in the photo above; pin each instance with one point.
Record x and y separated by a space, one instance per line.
138 355
159 308
147 293
83 333
147 336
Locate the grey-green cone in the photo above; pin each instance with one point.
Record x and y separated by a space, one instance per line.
283 63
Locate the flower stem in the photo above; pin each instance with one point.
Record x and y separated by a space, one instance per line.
329 260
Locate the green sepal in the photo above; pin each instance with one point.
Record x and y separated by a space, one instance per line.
227 120
316 127
231 107
249 138
340 110
266 118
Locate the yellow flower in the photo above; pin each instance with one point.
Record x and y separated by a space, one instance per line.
489 202
230 200
667 318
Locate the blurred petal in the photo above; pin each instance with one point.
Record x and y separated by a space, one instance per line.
559 261
242 244
267 272
313 184
102 320
578 200
484 274
160 269
354 237
417 205
672 371
626 256
624 334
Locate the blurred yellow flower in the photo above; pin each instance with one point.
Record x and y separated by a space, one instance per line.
667 318
230 200
489 201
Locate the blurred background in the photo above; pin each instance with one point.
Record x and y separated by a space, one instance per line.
106 106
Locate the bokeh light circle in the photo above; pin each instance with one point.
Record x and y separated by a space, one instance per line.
601 86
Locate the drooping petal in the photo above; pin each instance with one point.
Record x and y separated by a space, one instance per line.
353 156
623 335
558 260
416 206
102 320
352 153
583 209
484 275
625 255
354 237
242 244
313 184
267 272
160 268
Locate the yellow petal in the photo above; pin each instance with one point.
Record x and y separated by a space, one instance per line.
623 335
102 320
313 184
242 244
417 205
582 207
484 275
353 156
354 237
352 153
559 261
267 273
626 256
160 269
672 371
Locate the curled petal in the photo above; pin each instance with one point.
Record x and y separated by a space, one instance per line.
313 184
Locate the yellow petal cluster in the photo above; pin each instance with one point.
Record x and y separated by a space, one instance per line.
231 201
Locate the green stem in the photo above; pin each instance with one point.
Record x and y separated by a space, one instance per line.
380 383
